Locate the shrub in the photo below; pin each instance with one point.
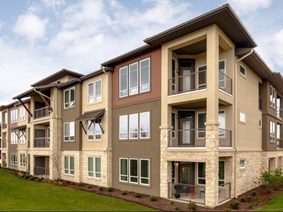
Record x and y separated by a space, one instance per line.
100 188
153 198
177 209
89 186
235 205
172 203
192 206
109 189
138 195
253 193
124 192
243 199
272 179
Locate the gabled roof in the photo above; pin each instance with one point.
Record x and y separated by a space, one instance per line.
56 76
223 16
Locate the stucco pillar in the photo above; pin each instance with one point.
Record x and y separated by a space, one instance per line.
212 125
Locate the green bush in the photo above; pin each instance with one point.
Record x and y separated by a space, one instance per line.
192 206
124 192
153 198
100 188
109 189
235 205
272 179
138 195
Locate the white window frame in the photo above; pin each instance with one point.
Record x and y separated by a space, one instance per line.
136 88
221 180
22 136
22 113
278 133
95 173
140 167
69 104
69 135
97 97
201 178
90 98
149 77
224 72
14 159
140 129
272 131
174 125
127 167
127 83
68 170
130 169
14 137
127 126
131 123
242 117
202 86
272 97
90 124
200 130
242 163
14 116
97 133
22 160
222 130
245 71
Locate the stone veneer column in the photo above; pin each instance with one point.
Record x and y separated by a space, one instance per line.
164 178
212 163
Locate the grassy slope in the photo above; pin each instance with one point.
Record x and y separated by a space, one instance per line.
18 194
275 204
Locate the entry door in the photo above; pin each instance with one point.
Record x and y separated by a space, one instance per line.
187 76
186 126
187 173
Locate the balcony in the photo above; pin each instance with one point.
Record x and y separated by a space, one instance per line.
197 81
4 144
4 125
196 138
41 112
188 82
43 142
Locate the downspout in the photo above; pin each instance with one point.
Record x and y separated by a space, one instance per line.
235 118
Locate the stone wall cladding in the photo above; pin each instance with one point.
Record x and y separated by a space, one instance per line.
103 181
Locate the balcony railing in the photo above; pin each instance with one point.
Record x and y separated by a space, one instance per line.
187 192
4 144
224 192
41 171
43 142
188 82
41 112
279 112
4 163
4 125
196 138
225 83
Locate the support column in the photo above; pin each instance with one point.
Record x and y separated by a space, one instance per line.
212 125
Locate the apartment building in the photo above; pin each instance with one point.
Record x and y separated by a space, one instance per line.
193 115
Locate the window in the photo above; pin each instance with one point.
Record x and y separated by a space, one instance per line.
14 116
133 125
174 70
202 77
278 136
134 171
144 75
242 163
123 127
139 171
173 122
222 80
14 160
133 80
272 97
144 125
243 117
93 131
201 125
90 96
14 138
94 167
242 71
272 131
278 107
69 98
22 160
201 173
123 169
221 174
202 120
69 165
144 171
22 112
69 131
22 136
123 82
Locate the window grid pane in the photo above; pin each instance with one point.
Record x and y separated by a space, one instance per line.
145 125
144 75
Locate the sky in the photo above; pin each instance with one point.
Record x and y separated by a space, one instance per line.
41 37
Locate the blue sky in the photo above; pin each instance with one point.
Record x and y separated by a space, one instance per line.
40 37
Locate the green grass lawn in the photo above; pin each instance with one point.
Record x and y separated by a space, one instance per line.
276 204
18 194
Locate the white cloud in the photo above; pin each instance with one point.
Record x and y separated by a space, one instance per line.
53 4
31 27
247 6
278 46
